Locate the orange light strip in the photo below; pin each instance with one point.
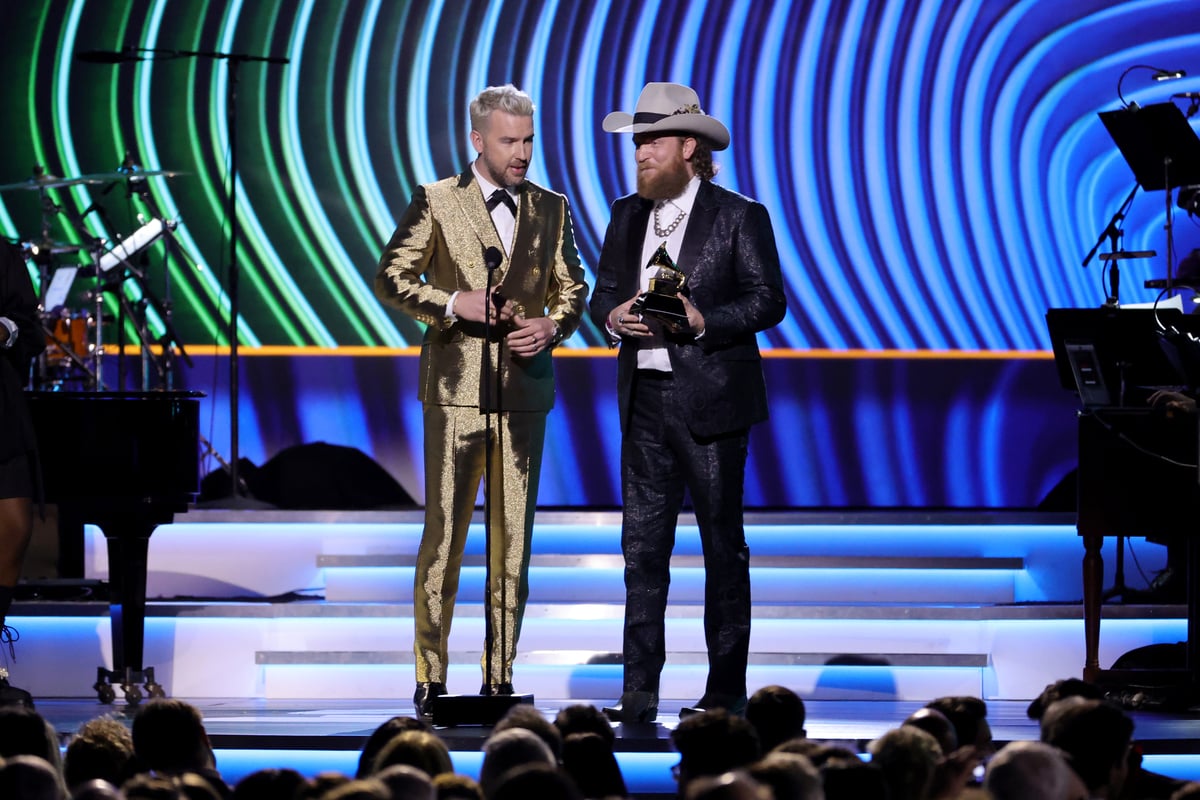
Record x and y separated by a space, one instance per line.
604 352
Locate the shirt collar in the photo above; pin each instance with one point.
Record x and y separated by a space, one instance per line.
685 201
486 186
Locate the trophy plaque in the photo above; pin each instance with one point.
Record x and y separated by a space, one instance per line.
661 301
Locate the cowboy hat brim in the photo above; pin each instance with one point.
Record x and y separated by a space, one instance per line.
700 125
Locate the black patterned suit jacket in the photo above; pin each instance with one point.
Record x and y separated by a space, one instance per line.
733 279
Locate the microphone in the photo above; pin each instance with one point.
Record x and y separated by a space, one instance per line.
492 258
1169 75
108 56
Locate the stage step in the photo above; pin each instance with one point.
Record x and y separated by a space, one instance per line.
290 605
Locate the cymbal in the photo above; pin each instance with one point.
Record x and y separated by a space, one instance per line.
54 248
46 181
134 174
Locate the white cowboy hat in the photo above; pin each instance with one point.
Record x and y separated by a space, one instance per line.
669 107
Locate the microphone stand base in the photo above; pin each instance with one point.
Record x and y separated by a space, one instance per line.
450 710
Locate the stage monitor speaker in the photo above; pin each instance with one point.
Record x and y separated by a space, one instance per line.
474 709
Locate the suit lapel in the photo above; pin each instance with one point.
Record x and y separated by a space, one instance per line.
475 212
638 220
704 214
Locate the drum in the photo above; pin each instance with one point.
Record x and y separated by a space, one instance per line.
67 334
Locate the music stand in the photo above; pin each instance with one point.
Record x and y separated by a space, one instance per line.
1161 148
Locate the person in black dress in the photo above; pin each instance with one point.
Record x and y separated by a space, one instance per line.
21 339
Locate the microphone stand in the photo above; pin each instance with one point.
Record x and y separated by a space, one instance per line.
1113 233
235 60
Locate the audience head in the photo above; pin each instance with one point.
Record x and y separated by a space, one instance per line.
777 714
406 782
100 749
589 761
582 718
968 715
1189 791
1032 771
788 775
96 789
420 749
177 786
169 736
733 785
30 777
270 784
937 725
508 749
525 715
907 756
818 753
534 780
1067 687
358 789
844 779
714 742
380 736
24 732
1096 735
452 786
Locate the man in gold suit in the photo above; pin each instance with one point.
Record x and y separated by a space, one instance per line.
436 267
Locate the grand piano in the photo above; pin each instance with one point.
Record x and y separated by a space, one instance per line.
126 462
1138 473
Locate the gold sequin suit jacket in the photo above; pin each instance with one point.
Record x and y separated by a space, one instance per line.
438 249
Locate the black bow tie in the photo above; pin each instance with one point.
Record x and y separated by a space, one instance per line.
502 196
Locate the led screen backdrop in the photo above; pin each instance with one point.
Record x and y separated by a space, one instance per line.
935 170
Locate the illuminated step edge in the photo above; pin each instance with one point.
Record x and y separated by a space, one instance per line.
679 683
691 562
771 584
605 658
315 609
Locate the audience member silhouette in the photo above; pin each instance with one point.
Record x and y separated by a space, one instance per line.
1032 771
508 749
272 783
525 715
1097 736
789 776
777 714
169 738
101 748
182 785
968 715
936 724
30 777
908 758
589 761
380 736
819 753
845 779
534 780
1067 687
97 789
454 786
1187 791
322 783
406 782
713 742
583 718
358 789
420 749
732 785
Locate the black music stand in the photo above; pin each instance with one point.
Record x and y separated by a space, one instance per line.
1161 148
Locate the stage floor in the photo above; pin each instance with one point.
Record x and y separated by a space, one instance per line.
346 724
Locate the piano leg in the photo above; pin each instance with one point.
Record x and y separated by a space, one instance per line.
128 540
1093 576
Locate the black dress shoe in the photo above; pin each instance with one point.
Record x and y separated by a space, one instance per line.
735 705
496 689
634 707
424 696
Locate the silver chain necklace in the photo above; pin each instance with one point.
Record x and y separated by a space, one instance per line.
659 230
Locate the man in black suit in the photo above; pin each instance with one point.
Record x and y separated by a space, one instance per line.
689 388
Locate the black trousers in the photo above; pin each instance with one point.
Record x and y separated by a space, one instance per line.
660 458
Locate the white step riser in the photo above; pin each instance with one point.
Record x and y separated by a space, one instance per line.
217 657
